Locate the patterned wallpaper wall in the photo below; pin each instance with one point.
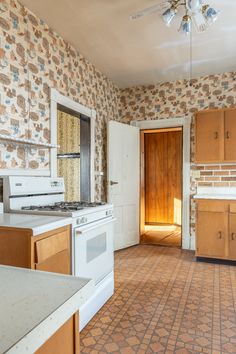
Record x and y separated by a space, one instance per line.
33 58
179 99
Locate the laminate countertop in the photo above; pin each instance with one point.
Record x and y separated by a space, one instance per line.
34 305
39 224
218 193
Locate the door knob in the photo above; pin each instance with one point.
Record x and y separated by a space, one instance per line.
113 182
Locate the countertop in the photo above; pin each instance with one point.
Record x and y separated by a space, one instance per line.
224 193
37 223
34 305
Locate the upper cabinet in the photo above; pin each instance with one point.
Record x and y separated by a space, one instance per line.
216 136
230 135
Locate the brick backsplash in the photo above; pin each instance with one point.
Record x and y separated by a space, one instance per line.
216 175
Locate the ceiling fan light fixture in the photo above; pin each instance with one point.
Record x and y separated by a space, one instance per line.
168 15
210 14
186 25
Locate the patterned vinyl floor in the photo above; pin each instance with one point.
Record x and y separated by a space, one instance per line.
165 302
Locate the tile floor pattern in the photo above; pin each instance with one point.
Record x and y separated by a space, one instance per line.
165 302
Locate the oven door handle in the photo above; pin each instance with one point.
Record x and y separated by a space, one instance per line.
85 229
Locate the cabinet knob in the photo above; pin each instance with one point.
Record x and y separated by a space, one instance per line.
216 135
220 234
233 236
227 135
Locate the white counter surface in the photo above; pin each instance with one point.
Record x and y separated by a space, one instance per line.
37 223
216 196
227 193
34 305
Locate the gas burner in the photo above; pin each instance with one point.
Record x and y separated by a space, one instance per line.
64 206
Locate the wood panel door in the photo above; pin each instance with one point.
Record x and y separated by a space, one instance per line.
163 177
230 135
232 236
209 136
212 232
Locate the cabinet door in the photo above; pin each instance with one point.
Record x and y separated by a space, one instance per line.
209 136
232 236
230 135
211 234
64 341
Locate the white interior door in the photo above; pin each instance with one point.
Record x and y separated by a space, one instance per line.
123 182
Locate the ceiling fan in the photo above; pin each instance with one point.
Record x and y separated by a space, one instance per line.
197 12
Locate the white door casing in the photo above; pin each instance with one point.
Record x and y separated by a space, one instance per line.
188 241
124 169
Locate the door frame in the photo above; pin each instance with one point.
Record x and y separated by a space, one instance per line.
188 242
58 99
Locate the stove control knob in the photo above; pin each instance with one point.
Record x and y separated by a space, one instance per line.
84 219
78 221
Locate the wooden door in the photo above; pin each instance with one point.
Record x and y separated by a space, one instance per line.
163 177
212 232
232 236
230 135
209 136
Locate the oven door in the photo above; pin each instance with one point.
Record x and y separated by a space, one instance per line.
93 250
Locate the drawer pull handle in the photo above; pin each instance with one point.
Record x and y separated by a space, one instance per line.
216 135
233 236
220 235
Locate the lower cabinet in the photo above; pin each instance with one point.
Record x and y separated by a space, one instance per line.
50 252
216 229
64 341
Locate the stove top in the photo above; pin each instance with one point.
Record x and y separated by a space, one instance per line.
63 206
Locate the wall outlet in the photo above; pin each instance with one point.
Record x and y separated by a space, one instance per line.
196 174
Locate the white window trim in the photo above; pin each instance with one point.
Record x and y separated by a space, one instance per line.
188 242
58 98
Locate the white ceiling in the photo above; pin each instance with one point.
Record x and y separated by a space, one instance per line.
144 51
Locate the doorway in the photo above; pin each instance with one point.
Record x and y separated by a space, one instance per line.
161 186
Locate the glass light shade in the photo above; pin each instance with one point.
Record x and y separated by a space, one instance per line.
199 22
186 25
193 5
168 15
210 13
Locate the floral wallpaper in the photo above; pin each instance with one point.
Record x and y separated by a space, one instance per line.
182 99
33 59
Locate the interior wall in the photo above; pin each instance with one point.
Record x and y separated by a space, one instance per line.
179 99
33 59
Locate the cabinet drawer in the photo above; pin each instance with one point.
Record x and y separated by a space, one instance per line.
212 205
52 245
58 263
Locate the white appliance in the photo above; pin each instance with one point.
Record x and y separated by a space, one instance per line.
92 231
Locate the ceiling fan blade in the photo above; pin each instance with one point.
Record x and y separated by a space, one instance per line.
150 10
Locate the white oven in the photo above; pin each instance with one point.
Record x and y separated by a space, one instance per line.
93 248
94 258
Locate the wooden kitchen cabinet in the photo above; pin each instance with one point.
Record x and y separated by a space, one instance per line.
232 235
209 136
230 135
215 136
216 229
65 340
50 252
